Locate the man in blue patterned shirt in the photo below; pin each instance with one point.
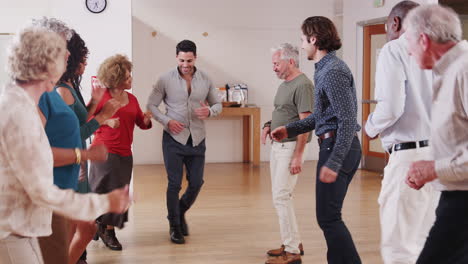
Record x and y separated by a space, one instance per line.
335 122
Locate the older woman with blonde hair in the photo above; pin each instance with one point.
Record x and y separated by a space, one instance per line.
115 74
36 60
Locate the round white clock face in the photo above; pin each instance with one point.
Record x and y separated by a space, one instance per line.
96 6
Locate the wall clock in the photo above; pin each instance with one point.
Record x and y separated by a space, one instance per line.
96 6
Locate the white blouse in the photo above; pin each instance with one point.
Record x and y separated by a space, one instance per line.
27 193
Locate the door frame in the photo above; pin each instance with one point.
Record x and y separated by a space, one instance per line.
368 31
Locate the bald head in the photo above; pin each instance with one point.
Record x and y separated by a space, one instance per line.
396 17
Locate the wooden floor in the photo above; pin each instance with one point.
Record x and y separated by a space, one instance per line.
234 222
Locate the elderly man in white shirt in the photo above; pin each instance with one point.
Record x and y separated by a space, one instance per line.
36 61
402 119
434 35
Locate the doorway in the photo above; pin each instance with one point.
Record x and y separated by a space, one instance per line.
374 156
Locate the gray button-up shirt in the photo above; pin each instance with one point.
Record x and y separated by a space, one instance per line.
172 89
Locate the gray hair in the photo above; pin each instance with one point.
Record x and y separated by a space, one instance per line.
288 51
441 24
54 25
36 54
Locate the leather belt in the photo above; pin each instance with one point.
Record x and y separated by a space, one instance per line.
328 134
408 145
325 135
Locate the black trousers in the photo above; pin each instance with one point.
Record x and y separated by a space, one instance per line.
329 202
176 156
447 242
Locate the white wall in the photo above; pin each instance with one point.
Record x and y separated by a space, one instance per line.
105 34
14 14
237 49
354 12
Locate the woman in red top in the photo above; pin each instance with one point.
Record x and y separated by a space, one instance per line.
115 74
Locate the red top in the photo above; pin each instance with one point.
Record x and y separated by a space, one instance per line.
119 140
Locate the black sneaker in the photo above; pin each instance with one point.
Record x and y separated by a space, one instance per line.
176 235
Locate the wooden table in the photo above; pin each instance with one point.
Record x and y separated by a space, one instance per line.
250 121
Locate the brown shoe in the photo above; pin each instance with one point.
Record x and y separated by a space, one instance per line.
285 258
279 251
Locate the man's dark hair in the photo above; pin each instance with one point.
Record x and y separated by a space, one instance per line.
401 9
186 46
78 54
324 31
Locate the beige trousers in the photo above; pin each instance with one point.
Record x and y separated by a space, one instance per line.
20 250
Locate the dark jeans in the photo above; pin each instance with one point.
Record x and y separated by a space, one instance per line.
176 156
447 242
329 201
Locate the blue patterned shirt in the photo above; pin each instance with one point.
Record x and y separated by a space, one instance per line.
335 108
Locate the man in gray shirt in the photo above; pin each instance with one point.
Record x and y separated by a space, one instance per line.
189 97
293 101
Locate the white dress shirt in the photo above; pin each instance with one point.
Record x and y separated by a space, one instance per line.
450 118
27 192
404 94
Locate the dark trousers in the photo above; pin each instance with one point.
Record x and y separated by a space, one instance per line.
177 155
447 242
107 176
329 201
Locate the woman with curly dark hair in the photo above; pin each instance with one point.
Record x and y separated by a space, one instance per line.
68 88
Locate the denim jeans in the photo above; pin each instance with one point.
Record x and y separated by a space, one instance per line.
177 155
329 202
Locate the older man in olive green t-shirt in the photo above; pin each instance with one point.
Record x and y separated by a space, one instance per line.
293 101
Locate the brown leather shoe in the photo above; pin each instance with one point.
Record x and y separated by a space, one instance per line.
279 251
285 258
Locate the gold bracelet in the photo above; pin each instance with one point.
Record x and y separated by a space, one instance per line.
78 155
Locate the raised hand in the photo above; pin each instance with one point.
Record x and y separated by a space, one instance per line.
110 108
97 89
203 112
